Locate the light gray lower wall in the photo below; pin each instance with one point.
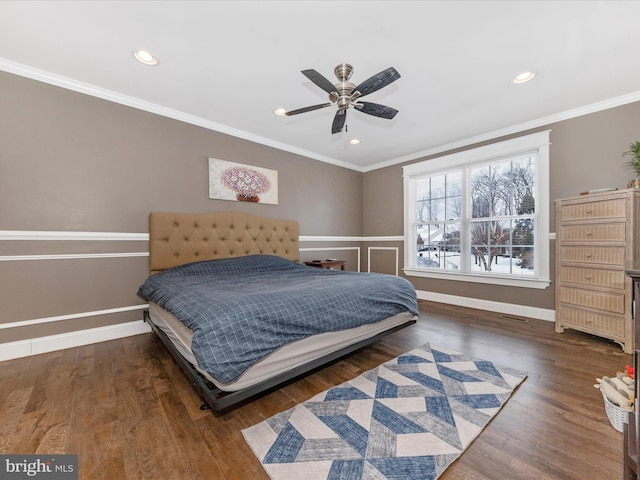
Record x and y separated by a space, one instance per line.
585 154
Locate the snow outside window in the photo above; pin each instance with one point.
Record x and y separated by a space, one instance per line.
481 215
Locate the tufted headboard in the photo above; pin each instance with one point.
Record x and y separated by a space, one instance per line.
179 238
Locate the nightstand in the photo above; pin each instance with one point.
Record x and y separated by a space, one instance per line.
327 264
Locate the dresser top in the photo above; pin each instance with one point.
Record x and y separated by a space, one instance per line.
594 196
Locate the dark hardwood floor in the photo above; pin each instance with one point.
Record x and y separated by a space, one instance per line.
129 413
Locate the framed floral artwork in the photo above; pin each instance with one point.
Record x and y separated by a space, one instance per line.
242 183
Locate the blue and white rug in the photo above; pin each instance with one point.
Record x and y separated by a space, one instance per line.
409 418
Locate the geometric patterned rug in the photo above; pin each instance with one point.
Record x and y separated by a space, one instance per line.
409 418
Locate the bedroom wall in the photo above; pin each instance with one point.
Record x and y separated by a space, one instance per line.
74 163
70 162
585 154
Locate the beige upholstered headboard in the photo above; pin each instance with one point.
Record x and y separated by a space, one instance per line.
179 238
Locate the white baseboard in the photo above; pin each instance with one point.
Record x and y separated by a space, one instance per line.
499 307
35 346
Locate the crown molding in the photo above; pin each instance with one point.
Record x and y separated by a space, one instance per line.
105 94
88 89
521 127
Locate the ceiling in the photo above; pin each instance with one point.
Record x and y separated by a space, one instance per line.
228 65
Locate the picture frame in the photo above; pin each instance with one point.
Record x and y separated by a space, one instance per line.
242 183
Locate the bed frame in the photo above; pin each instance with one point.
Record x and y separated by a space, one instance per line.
176 239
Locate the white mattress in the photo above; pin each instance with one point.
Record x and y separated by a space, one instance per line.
283 359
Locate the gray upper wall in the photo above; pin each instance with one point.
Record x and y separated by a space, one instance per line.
585 154
75 162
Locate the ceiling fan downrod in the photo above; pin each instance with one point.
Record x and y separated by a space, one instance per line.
344 87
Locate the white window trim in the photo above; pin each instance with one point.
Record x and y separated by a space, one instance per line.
536 141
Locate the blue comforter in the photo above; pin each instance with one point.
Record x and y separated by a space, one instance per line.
241 309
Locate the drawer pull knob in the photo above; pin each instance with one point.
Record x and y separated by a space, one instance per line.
589 256
589 234
588 277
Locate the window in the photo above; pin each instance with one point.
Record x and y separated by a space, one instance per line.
481 215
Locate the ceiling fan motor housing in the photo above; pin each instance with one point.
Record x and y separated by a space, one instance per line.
344 89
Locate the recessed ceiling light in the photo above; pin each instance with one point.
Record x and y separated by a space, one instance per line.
354 141
524 77
281 112
145 57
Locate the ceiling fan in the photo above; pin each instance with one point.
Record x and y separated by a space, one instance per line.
345 94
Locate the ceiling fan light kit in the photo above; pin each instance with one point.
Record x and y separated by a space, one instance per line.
345 94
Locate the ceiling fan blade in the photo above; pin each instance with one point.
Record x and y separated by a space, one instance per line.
307 109
378 81
376 110
338 121
319 80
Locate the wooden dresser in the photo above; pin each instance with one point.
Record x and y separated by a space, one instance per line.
596 239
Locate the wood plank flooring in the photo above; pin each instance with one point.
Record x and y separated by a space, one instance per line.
129 413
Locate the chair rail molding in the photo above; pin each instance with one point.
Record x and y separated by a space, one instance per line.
71 316
70 236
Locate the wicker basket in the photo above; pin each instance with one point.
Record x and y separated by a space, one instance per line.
618 416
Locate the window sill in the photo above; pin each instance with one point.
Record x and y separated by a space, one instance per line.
537 283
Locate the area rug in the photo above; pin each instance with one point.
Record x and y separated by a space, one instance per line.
409 418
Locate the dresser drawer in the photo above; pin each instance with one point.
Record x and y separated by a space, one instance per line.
608 301
592 276
593 255
591 321
613 208
594 232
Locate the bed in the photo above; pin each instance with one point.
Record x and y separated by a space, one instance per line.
241 316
